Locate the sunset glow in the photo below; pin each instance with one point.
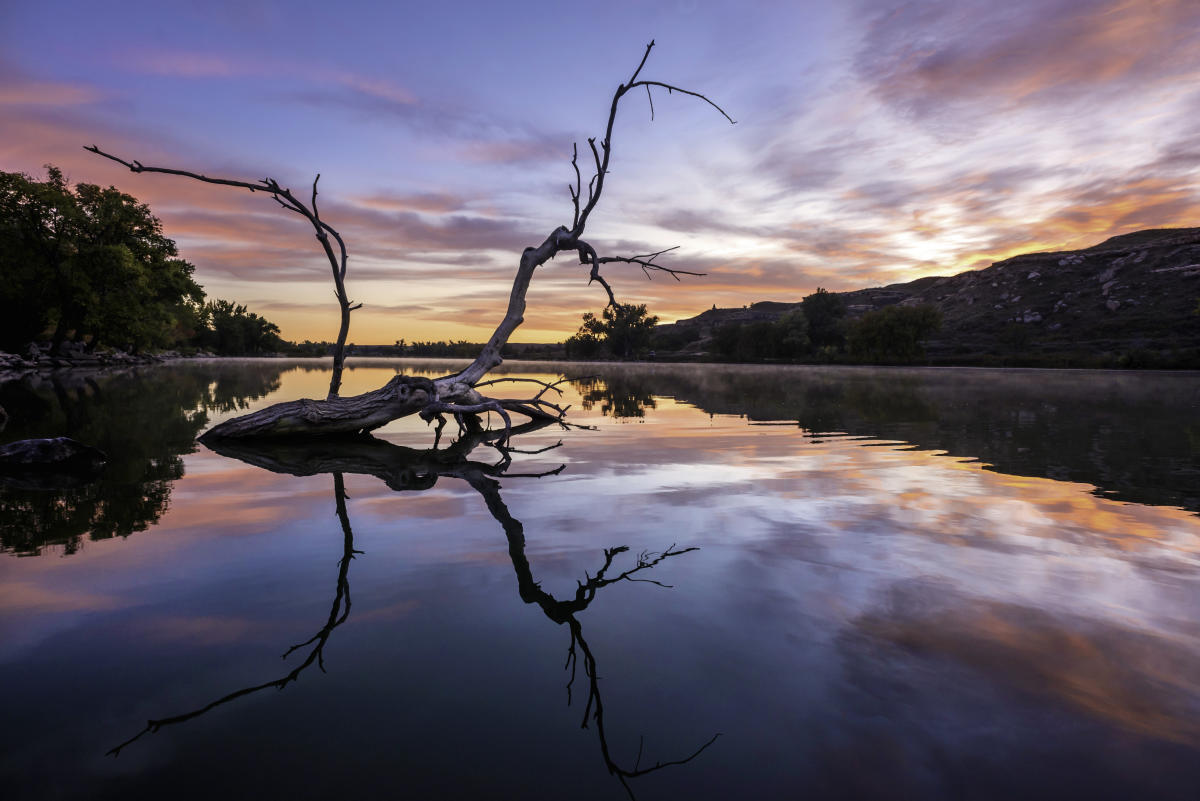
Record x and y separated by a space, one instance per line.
877 141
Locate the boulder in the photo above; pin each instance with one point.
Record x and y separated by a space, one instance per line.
54 453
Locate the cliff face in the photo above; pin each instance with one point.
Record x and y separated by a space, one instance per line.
1131 292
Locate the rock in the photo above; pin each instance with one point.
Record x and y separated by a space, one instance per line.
1033 276
55 453
1031 316
1113 305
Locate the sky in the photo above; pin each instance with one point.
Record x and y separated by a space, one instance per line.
876 141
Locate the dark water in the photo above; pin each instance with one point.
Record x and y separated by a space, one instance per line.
861 583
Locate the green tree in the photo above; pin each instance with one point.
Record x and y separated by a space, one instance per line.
231 330
825 312
38 225
90 261
894 334
142 293
622 330
790 334
785 338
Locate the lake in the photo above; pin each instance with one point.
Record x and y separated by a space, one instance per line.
726 582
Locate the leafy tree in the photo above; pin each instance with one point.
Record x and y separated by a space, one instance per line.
231 330
91 261
825 312
584 344
894 334
142 293
623 330
746 342
790 334
785 338
37 242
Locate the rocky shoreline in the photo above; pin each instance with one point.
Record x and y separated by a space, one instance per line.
37 359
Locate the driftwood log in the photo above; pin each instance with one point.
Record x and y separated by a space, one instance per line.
456 394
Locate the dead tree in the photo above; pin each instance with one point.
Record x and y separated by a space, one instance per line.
285 198
458 393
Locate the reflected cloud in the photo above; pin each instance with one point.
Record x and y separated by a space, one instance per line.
1141 682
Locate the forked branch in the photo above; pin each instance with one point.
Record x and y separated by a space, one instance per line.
322 230
455 394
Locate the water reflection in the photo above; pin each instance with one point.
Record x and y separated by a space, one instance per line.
1135 437
620 395
338 613
144 419
412 470
865 619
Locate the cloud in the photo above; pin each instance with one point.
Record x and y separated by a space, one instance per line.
427 202
199 64
473 134
18 88
184 64
41 93
921 56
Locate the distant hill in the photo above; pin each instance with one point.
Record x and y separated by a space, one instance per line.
1132 293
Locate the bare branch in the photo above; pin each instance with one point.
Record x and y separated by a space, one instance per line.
457 409
545 384
578 182
672 88
647 263
287 200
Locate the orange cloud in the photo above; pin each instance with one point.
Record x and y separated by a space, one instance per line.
921 55
38 93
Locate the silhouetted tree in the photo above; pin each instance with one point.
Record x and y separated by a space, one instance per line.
825 312
91 261
893 335
622 330
229 329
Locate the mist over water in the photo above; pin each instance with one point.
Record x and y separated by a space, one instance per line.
870 583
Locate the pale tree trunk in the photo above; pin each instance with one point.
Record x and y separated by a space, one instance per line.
455 394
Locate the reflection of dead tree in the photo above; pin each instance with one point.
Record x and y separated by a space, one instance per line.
458 393
337 616
565 612
400 468
405 469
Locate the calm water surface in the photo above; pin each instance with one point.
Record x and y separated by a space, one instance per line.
796 582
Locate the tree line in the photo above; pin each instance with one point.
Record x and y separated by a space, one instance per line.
91 265
820 330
